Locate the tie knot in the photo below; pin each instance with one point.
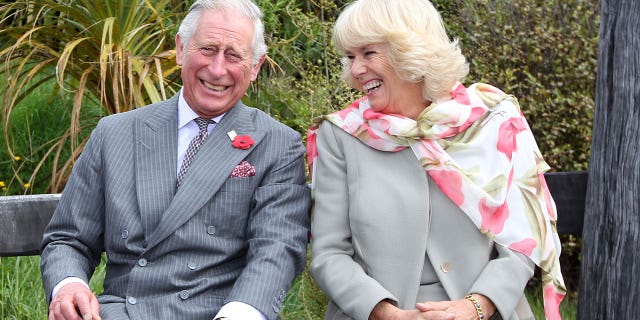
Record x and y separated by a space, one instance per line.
202 124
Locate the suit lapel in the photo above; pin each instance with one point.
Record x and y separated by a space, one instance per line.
155 173
211 167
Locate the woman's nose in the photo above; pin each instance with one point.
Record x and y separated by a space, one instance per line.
357 67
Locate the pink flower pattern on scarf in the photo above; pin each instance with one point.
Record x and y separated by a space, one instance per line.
479 150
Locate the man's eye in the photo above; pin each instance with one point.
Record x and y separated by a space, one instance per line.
368 53
233 57
351 57
206 51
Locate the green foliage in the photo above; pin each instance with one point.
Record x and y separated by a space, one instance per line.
106 53
545 53
303 80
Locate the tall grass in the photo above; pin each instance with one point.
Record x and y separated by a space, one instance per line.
34 125
21 291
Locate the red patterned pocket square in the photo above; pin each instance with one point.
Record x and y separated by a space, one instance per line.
243 170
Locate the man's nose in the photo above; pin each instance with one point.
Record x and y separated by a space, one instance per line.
217 64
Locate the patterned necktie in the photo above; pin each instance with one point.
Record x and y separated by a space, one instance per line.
194 145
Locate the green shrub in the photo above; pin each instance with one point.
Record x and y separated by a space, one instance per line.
545 53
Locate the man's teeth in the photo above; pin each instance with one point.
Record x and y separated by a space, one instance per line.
212 87
372 85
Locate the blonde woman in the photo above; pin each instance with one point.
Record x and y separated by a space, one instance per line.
430 199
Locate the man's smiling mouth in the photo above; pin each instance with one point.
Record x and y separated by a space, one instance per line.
212 87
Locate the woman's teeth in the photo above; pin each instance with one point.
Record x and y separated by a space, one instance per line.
371 86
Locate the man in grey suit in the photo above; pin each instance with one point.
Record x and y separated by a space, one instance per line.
218 235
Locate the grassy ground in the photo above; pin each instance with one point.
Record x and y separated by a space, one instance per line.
22 296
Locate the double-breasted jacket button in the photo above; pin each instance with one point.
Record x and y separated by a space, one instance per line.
132 300
125 234
191 265
445 267
184 294
142 262
211 230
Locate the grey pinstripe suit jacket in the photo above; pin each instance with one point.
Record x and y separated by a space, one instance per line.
182 254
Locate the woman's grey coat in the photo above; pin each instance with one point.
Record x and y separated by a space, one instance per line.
376 214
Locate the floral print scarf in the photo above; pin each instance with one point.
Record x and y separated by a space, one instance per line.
479 149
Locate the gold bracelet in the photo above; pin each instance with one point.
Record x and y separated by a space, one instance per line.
476 305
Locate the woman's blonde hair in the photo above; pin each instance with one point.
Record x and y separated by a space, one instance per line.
418 46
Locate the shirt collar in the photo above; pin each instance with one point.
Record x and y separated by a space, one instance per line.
186 114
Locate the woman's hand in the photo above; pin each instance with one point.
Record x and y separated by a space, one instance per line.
385 310
462 309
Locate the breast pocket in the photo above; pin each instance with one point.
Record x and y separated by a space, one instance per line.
230 207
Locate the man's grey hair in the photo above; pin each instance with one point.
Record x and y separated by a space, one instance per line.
245 8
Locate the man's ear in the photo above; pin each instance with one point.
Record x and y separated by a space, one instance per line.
256 68
179 50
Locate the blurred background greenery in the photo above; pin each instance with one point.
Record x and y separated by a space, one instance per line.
66 63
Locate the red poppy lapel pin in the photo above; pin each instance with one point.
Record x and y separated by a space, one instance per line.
242 141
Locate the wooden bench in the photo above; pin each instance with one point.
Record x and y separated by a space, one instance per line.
22 222
23 218
569 190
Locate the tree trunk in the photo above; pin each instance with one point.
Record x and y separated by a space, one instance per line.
610 272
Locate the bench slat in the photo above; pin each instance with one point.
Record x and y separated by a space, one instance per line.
22 222
569 190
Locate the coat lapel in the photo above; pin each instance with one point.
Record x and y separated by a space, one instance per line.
211 167
155 161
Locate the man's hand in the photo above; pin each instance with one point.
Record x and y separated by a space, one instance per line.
74 301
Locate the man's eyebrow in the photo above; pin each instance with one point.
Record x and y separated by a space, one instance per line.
218 46
204 44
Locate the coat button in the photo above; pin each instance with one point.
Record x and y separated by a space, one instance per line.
211 230
184 294
142 262
125 234
445 267
132 300
191 265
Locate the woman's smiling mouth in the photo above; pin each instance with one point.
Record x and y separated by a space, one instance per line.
372 86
